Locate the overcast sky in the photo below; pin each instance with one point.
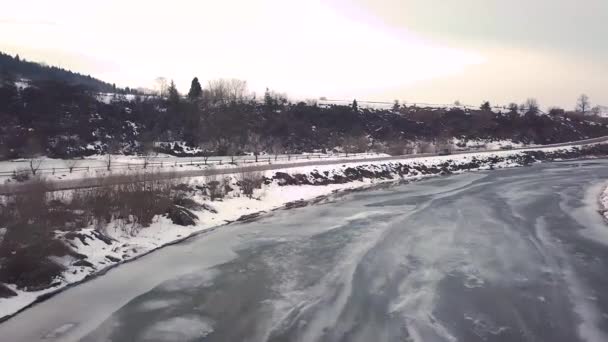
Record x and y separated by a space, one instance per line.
434 51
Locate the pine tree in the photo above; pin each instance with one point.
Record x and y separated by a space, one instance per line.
269 101
486 107
196 91
173 93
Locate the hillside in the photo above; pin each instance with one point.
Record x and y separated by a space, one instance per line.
21 69
66 119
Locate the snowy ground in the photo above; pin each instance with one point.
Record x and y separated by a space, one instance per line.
96 166
603 201
124 246
485 144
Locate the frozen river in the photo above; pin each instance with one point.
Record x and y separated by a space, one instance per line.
510 255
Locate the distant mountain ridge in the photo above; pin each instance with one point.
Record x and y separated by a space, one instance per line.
23 69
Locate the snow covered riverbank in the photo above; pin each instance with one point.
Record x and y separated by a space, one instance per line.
112 245
603 202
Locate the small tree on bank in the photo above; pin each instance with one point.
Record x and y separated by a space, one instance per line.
255 144
71 164
113 147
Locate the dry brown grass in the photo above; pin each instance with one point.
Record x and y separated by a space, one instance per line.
32 216
249 181
134 201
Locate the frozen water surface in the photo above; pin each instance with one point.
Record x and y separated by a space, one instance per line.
509 255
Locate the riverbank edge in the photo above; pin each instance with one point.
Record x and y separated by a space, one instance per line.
378 174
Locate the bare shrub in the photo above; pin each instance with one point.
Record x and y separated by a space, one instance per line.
29 267
275 147
355 144
133 200
425 147
396 147
214 187
30 202
148 152
28 239
21 175
32 215
249 181
227 188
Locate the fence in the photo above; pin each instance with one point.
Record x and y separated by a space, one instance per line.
179 162
250 160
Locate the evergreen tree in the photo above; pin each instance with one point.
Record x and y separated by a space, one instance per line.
269 101
173 93
486 107
196 91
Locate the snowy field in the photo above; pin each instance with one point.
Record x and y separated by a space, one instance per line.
124 246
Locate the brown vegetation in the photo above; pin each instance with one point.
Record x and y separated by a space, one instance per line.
33 216
249 181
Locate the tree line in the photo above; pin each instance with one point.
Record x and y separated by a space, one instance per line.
57 118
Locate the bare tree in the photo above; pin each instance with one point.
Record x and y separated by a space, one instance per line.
148 152
33 150
229 148
223 91
207 150
311 102
583 104
113 147
237 89
255 144
531 106
275 147
397 147
354 144
71 164
35 165
162 85
217 91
